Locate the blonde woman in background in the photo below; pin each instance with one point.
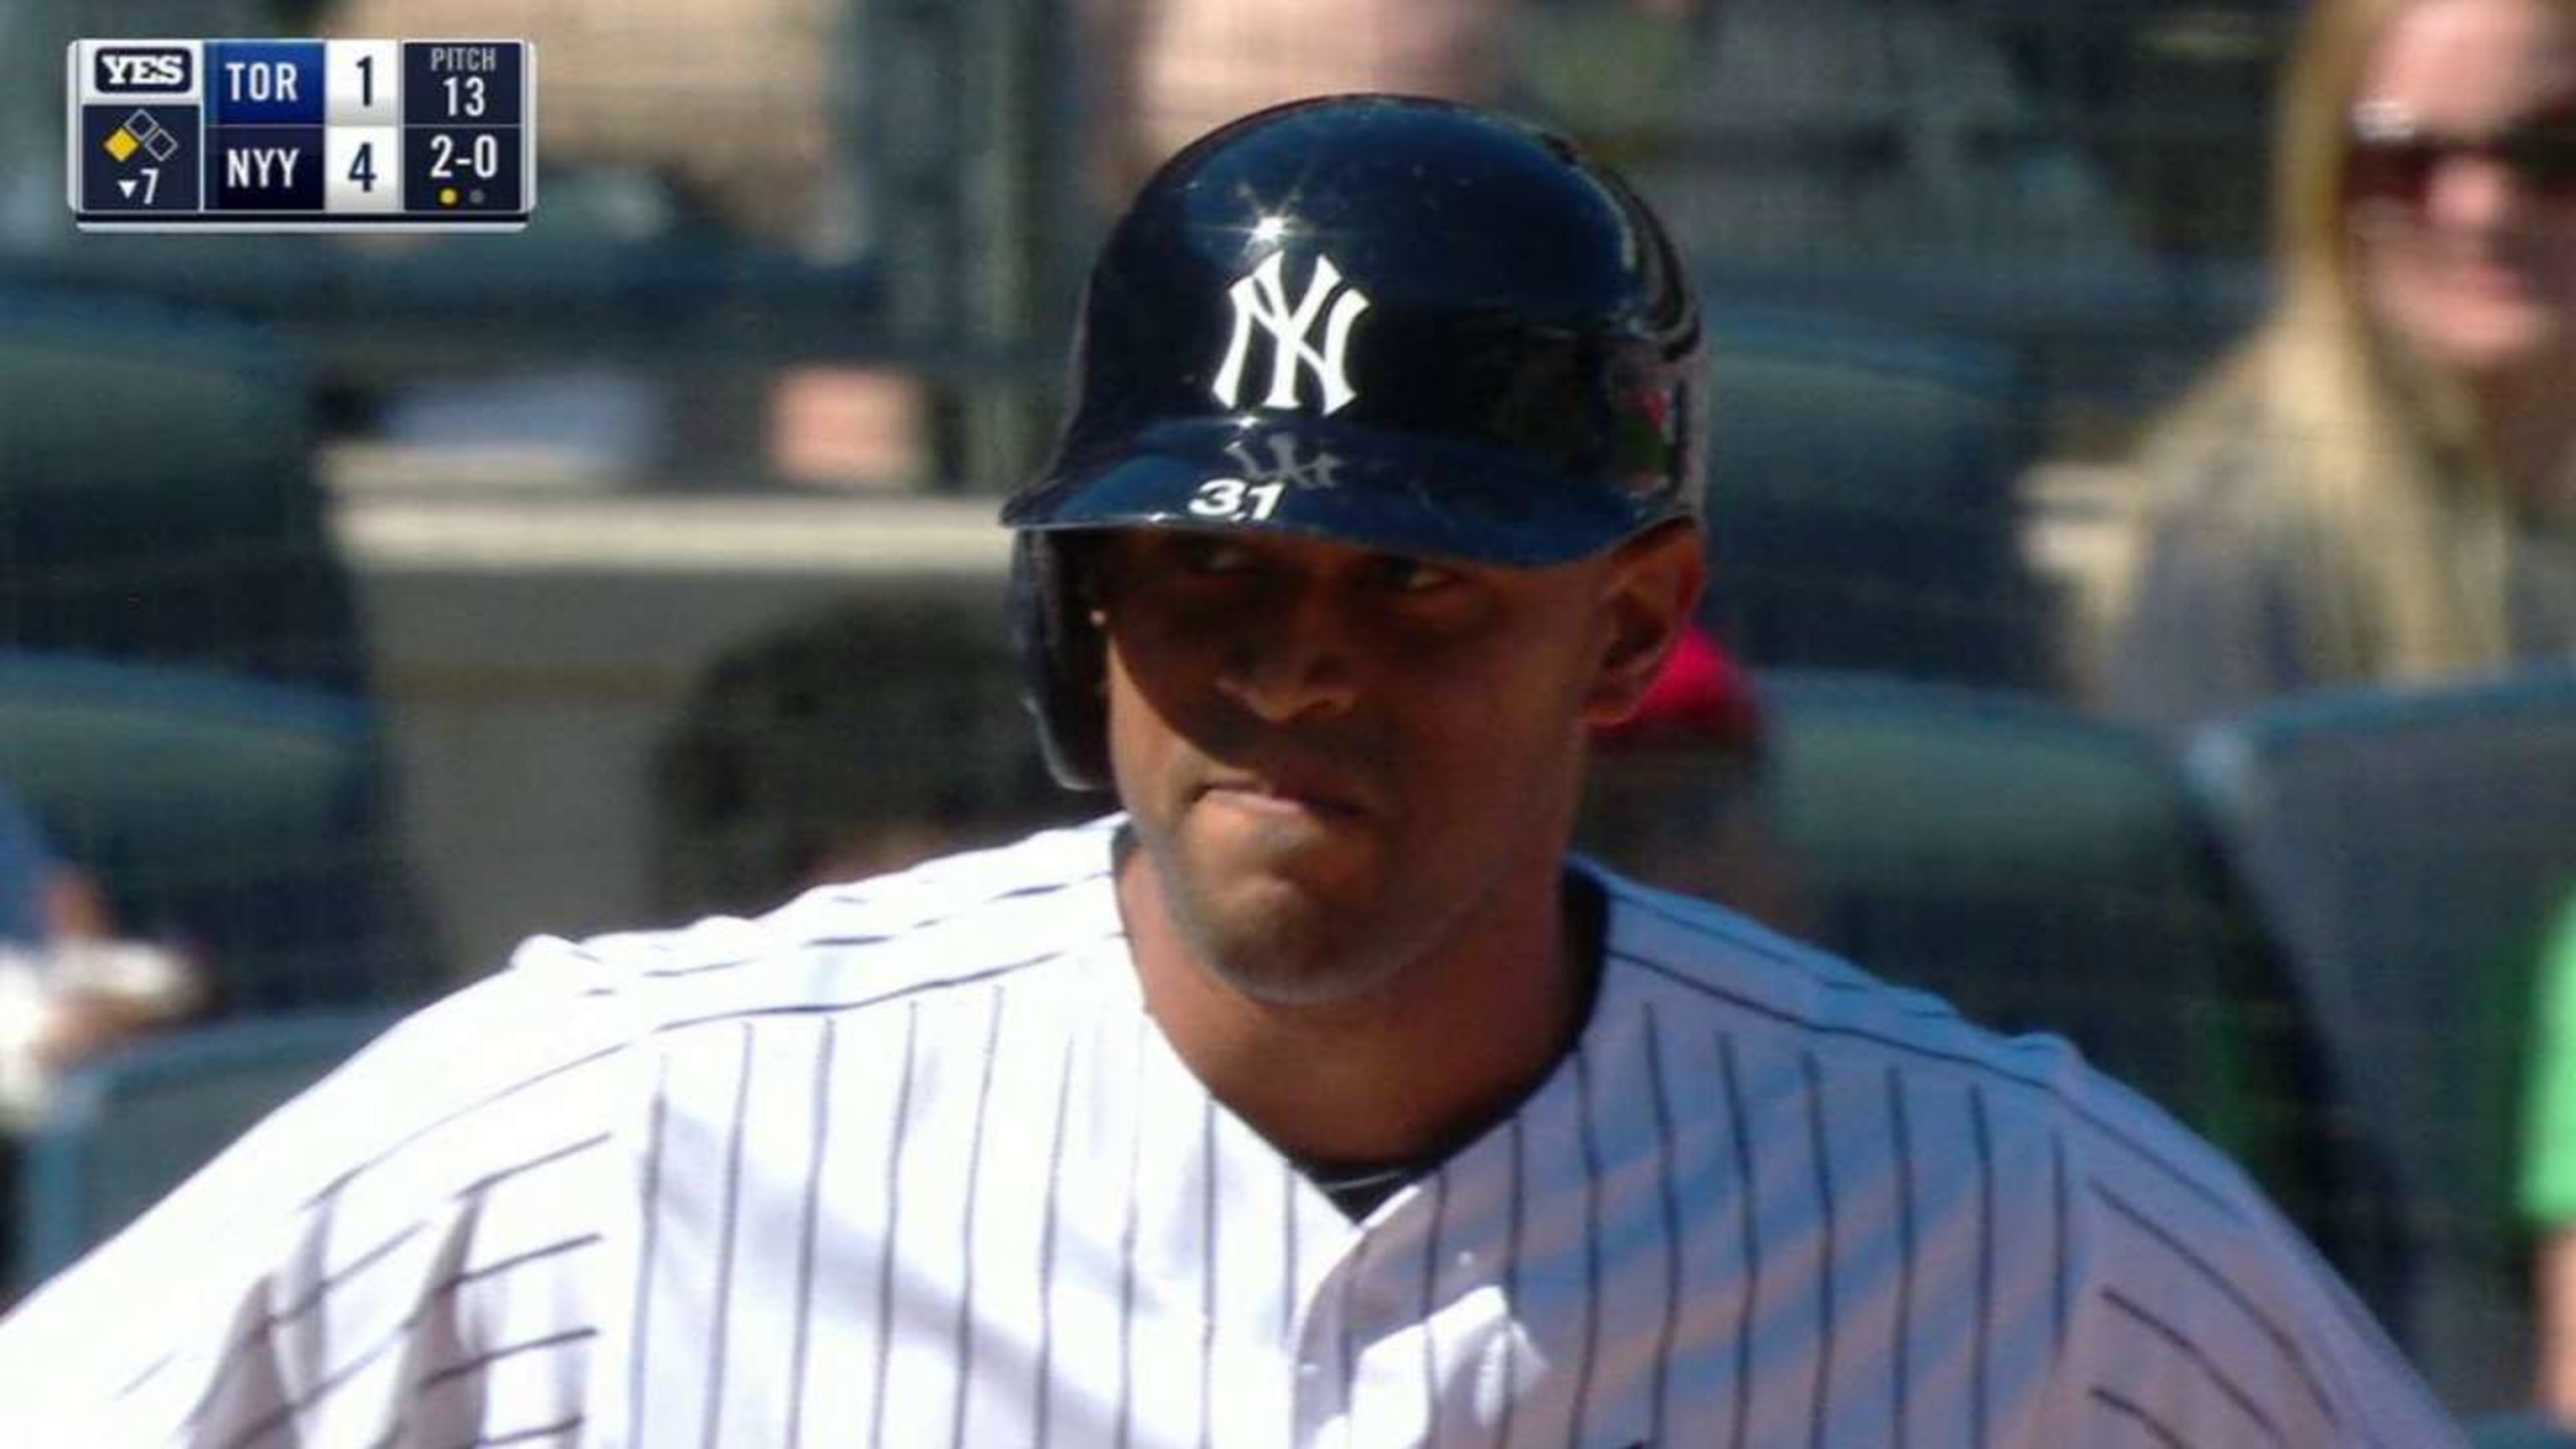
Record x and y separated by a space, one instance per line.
2377 486
2380 486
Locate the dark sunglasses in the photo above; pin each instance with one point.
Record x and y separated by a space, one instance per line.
2393 159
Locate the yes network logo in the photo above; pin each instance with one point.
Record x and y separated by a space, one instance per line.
140 70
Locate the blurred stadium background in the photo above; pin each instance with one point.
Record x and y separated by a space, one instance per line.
369 603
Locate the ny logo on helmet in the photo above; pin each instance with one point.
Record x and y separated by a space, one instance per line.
1262 298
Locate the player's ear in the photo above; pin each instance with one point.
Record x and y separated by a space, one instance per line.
1652 585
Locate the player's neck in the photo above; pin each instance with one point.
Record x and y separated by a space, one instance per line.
1447 1049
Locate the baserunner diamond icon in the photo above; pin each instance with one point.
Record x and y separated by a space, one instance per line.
140 132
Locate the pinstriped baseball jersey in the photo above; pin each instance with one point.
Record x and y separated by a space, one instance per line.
908 1163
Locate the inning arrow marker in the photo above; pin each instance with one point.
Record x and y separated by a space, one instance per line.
127 187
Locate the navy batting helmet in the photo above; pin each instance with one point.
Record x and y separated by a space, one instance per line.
1388 321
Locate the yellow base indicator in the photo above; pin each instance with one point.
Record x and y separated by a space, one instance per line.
120 143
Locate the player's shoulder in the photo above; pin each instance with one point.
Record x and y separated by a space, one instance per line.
2035 1093
2162 1256
978 916
1694 955
496 1105
520 1099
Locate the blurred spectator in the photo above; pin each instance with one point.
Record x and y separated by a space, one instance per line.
2549 1168
68 988
845 743
1675 794
2381 484
848 428
1183 67
68 991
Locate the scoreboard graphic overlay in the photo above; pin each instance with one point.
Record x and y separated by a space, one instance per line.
302 135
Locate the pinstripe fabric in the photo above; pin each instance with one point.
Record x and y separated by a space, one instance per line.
907 1164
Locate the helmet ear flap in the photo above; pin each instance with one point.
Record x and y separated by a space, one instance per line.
1064 663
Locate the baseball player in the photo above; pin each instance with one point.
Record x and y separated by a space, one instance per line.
1317 1099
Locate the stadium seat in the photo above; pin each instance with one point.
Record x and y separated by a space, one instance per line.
1863 511
2405 849
124 1130
159 501
238 819
2045 871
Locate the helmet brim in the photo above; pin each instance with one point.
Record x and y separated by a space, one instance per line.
1367 487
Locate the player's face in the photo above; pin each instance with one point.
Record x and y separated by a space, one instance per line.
1337 759
2464 183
